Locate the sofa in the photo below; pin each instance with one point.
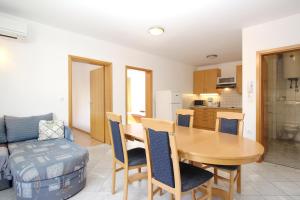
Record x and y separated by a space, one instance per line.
49 169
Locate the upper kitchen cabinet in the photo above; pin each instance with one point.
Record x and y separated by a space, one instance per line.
205 81
239 78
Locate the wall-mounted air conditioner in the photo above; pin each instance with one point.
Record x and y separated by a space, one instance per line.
12 28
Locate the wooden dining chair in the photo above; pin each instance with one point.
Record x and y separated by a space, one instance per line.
164 169
230 123
184 117
126 159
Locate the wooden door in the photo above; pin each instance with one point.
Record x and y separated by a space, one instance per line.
97 111
211 80
239 78
199 79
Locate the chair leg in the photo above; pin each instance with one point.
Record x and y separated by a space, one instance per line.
150 190
139 171
178 195
125 194
113 177
171 196
194 194
239 180
215 175
209 189
231 185
160 192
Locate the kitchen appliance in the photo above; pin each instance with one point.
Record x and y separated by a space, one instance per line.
199 103
167 102
226 82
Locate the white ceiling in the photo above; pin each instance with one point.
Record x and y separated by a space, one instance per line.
194 28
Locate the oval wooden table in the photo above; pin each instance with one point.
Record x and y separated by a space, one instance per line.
208 147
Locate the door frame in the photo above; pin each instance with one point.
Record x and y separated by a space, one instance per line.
260 88
149 90
108 98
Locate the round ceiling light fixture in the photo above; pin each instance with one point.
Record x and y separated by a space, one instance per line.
212 56
156 30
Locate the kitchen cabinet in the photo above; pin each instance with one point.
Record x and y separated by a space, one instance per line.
205 81
239 78
199 77
205 118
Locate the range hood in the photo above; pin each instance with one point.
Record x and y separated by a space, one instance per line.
226 82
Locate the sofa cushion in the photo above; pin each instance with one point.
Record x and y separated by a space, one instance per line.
24 128
2 131
40 160
4 168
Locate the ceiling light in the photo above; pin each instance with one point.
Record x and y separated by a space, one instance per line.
156 30
212 56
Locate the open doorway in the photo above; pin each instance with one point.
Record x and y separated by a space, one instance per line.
90 97
278 105
138 94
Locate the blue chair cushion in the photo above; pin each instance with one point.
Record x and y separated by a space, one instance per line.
229 126
184 120
192 177
136 156
162 165
3 139
227 167
116 135
24 128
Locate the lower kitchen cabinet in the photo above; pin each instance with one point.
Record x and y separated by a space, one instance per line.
205 118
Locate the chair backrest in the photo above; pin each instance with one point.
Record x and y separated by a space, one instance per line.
230 122
161 152
185 117
117 137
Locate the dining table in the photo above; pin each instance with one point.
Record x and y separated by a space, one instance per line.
209 147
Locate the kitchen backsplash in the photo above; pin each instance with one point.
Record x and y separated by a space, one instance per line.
227 98
230 98
188 100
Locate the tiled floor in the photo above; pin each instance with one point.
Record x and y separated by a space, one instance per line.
263 181
283 152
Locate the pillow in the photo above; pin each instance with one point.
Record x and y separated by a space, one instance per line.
51 129
3 139
24 128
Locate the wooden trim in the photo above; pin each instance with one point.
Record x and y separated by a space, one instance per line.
70 94
260 87
89 60
108 97
149 91
138 68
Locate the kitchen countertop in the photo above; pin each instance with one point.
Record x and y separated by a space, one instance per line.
229 108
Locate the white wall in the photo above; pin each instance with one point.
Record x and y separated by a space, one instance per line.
34 74
274 34
81 95
227 69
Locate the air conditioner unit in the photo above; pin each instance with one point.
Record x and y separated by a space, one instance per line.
12 28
